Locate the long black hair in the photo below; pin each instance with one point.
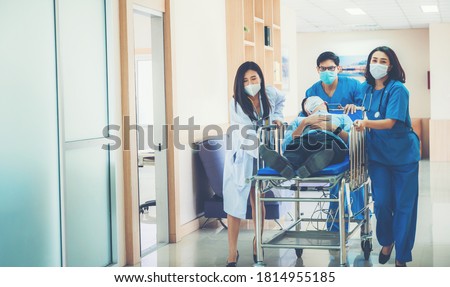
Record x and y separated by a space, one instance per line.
241 96
395 73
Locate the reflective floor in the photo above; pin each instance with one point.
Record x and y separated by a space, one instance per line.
208 246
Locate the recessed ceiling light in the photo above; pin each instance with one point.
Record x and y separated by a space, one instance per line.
355 11
430 8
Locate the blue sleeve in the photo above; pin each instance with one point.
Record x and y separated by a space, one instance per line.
288 135
308 93
357 95
346 123
364 90
398 101
312 91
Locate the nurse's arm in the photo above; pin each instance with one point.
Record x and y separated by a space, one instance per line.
385 124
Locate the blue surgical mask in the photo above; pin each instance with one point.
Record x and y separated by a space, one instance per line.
378 71
328 77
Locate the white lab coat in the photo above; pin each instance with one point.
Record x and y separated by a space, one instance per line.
239 159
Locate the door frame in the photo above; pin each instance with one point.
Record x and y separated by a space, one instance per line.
129 147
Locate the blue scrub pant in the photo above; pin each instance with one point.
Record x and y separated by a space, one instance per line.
395 191
357 203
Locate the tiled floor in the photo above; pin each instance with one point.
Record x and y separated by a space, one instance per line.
208 247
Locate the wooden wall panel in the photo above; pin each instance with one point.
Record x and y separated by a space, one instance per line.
439 140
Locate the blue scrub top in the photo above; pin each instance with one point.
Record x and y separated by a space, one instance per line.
399 145
348 91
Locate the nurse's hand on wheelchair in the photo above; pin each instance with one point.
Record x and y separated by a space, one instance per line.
360 125
350 108
278 123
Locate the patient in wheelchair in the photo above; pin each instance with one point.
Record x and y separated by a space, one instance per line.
311 143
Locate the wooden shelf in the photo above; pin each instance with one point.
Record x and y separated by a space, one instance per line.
249 45
259 20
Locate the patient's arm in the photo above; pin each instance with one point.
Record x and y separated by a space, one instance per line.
310 121
328 126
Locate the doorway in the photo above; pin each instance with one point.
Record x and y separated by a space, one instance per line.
150 119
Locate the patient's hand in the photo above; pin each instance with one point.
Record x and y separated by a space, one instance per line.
316 119
319 121
323 125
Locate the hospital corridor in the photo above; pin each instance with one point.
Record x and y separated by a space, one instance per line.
224 133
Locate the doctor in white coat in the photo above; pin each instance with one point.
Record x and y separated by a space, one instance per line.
252 106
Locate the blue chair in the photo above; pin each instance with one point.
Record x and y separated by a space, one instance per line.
212 157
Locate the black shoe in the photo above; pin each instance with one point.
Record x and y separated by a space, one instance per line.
382 259
277 162
400 264
255 257
315 163
233 264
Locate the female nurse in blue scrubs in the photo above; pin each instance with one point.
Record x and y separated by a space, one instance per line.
394 155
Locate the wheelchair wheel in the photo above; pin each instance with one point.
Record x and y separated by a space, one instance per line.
366 247
299 252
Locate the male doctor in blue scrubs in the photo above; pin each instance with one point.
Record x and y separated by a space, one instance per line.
331 88
338 91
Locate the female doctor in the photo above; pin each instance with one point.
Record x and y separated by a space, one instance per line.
394 155
253 105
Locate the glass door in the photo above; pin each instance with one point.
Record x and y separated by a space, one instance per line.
150 117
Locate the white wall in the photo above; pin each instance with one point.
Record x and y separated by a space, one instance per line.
439 67
411 46
200 57
200 80
440 94
289 44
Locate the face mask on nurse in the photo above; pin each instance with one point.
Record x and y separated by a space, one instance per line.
328 77
378 71
252 90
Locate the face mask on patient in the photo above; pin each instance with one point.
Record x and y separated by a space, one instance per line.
312 103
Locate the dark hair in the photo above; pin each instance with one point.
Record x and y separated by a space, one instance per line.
242 98
328 56
304 110
303 107
395 73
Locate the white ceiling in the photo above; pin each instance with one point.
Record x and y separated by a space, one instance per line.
330 15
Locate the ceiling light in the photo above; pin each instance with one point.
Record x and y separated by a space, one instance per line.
430 8
355 11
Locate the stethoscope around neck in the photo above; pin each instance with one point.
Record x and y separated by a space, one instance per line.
377 113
